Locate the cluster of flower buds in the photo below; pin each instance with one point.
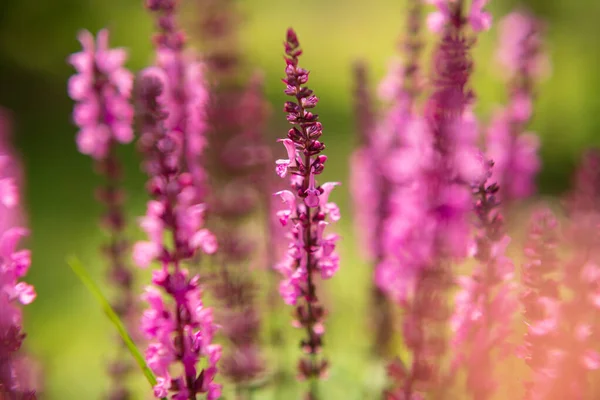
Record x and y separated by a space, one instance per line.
485 304
514 150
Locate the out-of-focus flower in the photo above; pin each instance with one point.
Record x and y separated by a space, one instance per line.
180 331
101 88
433 169
513 149
104 113
14 264
478 18
485 304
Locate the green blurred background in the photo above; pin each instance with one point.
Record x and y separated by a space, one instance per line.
68 334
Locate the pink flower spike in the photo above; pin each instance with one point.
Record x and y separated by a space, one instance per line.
307 207
14 371
180 327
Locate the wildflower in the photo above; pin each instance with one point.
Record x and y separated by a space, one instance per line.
429 228
104 115
485 303
540 299
180 331
14 264
306 214
514 150
381 161
185 94
237 162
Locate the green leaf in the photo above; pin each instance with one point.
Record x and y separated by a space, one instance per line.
87 280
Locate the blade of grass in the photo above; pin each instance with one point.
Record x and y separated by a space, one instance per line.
87 280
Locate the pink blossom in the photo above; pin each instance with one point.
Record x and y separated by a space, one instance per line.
179 327
307 208
14 264
479 19
102 89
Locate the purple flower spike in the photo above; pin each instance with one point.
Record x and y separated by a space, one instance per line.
306 211
185 93
485 303
540 300
102 88
433 168
238 162
513 149
14 264
180 330
104 113
381 160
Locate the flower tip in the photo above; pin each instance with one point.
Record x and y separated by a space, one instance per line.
291 35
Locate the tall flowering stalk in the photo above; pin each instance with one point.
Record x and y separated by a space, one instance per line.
235 200
14 264
485 303
102 89
185 93
218 28
370 192
181 330
514 150
435 170
581 280
540 302
372 183
560 296
306 214
237 162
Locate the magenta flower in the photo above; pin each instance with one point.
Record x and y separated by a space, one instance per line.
307 209
515 151
14 264
478 18
387 155
238 162
181 330
104 105
520 47
434 167
185 94
540 299
102 88
485 303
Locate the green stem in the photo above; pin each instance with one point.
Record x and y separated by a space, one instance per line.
89 283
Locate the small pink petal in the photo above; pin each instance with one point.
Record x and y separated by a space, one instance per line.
436 21
25 292
204 240
144 253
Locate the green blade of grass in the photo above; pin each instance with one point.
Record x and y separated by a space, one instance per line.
87 280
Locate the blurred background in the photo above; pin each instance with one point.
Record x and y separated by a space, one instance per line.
67 333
